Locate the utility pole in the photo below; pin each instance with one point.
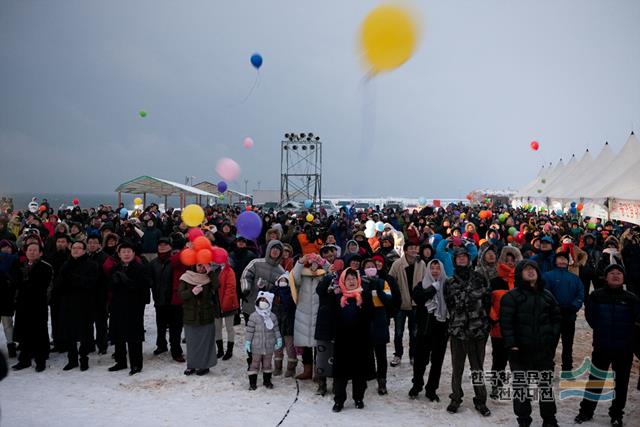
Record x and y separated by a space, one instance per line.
246 181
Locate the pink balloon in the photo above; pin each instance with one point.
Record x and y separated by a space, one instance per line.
248 142
228 169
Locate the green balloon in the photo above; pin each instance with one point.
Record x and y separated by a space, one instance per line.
544 181
143 113
591 226
539 191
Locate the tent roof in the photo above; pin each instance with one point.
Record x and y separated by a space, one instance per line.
211 187
560 177
599 165
533 182
616 176
549 178
159 187
561 187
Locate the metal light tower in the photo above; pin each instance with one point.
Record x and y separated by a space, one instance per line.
300 167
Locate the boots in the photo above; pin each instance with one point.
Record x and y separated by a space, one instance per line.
322 386
382 386
253 381
84 363
291 368
277 370
71 365
266 380
11 349
307 373
220 346
229 354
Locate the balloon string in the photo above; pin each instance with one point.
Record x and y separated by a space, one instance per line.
255 84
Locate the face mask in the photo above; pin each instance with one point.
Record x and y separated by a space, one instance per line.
263 305
150 224
370 272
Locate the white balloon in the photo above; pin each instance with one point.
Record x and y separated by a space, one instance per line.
369 233
370 224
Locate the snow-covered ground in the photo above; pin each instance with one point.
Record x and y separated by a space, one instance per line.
162 396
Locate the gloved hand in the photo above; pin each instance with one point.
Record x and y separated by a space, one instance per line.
278 343
247 346
196 290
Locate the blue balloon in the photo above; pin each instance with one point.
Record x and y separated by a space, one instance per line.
256 60
307 204
422 201
222 186
573 204
559 212
124 213
573 210
249 225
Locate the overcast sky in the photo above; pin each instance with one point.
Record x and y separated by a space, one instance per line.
488 77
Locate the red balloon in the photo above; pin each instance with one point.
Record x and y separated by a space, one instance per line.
580 207
76 202
188 256
204 256
247 208
534 145
220 256
42 208
469 197
193 233
201 243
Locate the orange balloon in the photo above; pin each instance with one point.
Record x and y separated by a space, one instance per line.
200 243
204 256
188 256
219 255
580 207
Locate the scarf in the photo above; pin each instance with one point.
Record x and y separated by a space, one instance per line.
508 274
613 254
436 305
568 247
356 293
194 278
265 313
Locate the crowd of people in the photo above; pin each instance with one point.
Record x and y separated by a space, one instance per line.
326 291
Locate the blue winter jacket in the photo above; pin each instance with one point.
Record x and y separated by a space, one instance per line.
445 255
546 261
612 313
566 287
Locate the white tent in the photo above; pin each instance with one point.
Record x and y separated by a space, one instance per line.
588 180
546 180
560 178
621 173
582 168
534 183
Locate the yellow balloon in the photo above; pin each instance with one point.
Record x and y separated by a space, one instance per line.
137 201
389 37
463 215
193 215
309 218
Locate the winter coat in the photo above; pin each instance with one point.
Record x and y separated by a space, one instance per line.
303 285
75 289
101 291
263 340
177 270
308 247
399 273
546 261
8 262
612 314
381 298
566 288
605 260
32 284
468 300
229 302
631 257
161 281
150 240
353 348
325 322
501 285
201 309
129 286
424 320
284 308
530 320
239 259
444 254
260 275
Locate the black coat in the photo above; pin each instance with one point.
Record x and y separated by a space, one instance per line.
7 287
530 320
161 281
353 348
129 287
425 323
325 327
379 321
75 289
612 313
32 312
631 257
102 283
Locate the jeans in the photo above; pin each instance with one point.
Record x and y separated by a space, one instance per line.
399 321
228 325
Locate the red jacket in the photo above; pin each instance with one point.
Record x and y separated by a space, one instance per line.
228 293
177 270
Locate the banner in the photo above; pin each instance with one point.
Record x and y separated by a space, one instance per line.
595 208
625 210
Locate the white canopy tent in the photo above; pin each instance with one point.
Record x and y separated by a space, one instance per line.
620 172
600 164
560 178
160 187
582 168
535 183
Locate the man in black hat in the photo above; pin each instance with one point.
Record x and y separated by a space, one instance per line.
168 314
612 312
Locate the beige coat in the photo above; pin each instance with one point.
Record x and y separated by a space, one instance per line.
399 273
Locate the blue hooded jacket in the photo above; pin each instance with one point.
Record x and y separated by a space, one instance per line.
566 287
